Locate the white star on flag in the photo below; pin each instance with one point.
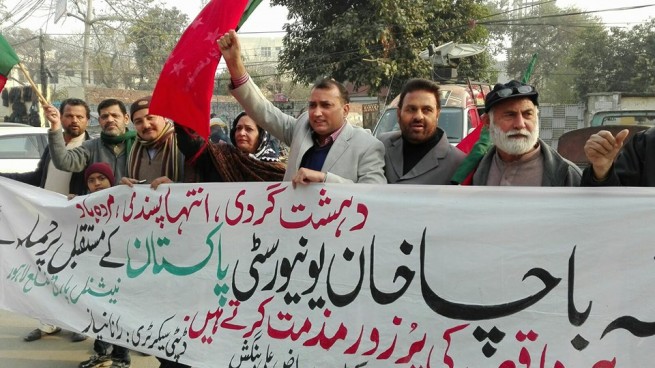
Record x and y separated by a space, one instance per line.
178 67
197 23
185 86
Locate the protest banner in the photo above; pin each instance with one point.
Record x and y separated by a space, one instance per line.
264 275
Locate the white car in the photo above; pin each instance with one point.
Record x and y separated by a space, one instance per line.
21 147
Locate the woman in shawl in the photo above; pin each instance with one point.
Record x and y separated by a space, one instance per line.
252 139
252 158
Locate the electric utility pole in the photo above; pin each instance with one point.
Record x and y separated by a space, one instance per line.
43 73
87 35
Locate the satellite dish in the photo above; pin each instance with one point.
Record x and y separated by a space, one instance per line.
449 53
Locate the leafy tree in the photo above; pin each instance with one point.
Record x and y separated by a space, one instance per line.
548 31
615 60
577 54
636 58
374 42
154 36
592 59
559 87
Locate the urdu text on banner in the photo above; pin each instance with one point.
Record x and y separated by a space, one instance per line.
264 275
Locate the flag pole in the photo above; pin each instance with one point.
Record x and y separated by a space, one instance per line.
42 99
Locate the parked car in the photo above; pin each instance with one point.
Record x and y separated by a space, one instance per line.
21 147
571 144
624 117
460 106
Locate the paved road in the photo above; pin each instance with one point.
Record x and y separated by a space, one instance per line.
53 351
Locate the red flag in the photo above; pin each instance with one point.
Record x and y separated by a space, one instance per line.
186 83
476 145
466 144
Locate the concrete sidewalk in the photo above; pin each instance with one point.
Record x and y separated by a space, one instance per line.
51 351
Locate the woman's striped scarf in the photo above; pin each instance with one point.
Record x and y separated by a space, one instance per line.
167 142
265 151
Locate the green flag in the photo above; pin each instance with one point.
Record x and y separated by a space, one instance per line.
252 4
464 173
529 69
466 169
8 59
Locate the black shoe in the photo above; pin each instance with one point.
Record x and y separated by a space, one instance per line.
77 337
37 334
119 364
96 361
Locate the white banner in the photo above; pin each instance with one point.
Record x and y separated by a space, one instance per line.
264 275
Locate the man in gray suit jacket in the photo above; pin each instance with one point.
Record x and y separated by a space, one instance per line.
419 153
324 147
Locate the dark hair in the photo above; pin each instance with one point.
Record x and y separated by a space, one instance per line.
328 83
233 131
419 84
111 102
74 102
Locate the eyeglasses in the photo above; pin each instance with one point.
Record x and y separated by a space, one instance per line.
506 92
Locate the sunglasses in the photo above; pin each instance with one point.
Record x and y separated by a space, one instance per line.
506 92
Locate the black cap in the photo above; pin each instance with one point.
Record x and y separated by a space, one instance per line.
142 103
511 89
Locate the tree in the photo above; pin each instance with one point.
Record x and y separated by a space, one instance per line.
615 60
636 58
110 50
592 59
373 42
268 79
548 31
84 11
112 66
26 44
265 75
154 36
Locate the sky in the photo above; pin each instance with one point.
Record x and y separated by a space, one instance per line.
265 19
618 18
269 20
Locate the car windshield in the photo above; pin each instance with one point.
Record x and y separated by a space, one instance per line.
450 120
20 147
629 120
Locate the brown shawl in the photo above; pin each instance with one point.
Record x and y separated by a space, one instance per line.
168 143
234 166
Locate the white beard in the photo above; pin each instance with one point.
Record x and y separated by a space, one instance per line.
514 145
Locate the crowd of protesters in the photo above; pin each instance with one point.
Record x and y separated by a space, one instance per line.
324 148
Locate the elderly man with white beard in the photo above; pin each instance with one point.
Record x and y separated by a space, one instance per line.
519 157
